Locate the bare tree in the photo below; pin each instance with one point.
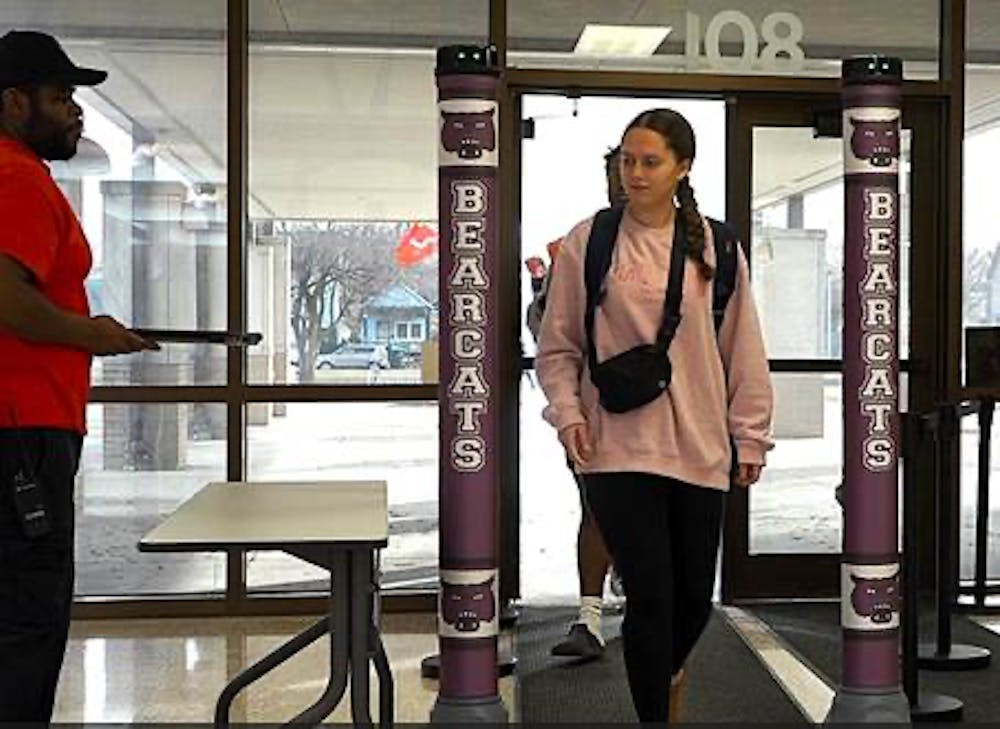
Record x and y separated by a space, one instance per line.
336 268
423 278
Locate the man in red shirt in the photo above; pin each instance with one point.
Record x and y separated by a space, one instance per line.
47 338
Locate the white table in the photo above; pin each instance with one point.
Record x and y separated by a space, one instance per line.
336 525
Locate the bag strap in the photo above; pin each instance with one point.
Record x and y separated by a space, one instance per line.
724 283
600 246
675 289
597 263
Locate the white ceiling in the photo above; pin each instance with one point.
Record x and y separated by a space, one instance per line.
336 136
440 18
338 130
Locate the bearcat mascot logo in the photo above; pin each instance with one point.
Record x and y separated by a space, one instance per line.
876 598
465 607
876 141
469 133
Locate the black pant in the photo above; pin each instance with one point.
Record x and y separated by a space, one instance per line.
36 574
663 536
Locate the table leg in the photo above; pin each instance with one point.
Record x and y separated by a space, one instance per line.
361 627
339 642
354 638
385 687
269 662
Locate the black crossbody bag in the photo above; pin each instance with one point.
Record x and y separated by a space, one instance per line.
639 375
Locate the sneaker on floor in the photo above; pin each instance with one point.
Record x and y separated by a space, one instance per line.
579 643
615 580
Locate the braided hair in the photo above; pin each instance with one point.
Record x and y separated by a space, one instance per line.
679 136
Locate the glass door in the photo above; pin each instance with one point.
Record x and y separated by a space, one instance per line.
783 536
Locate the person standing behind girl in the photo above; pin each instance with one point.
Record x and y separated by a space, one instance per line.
655 476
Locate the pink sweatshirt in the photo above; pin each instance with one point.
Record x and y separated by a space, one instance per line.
683 434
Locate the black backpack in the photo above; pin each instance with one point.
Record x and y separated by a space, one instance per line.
601 244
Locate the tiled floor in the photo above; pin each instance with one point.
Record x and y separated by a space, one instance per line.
172 671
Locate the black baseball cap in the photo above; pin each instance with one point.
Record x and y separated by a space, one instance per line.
27 57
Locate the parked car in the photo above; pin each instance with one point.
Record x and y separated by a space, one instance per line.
354 355
404 354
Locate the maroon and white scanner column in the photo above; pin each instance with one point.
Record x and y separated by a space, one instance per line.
469 215
870 598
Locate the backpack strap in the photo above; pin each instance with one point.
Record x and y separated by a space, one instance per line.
600 246
723 285
724 282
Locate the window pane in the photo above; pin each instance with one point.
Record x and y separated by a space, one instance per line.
392 441
797 247
793 509
981 274
981 280
148 181
140 462
550 507
343 185
981 254
720 36
969 475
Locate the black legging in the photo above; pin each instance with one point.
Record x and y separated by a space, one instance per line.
663 536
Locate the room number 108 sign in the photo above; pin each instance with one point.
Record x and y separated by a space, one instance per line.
781 34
